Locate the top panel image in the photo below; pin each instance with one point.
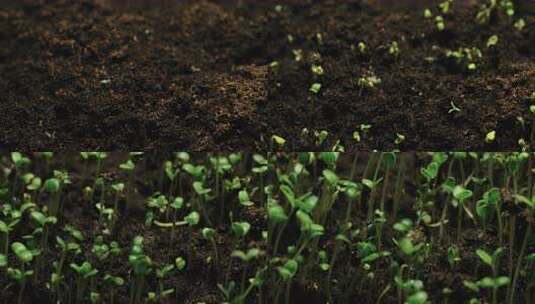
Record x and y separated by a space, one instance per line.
206 75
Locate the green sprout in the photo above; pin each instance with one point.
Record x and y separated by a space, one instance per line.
394 49
141 267
209 234
20 275
454 108
440 24
490 137
446 6
494 282
369 82
493 41
362 47
465 57
85 272
317 70
315 88
115 282
520 24
400 138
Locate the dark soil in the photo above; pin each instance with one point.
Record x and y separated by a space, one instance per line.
196 75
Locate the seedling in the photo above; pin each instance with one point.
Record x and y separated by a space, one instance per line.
454 108
446 6
369 82
440 24
141 267
362 47
279 141
25 257
487 282
460 196
394 49
493 41
453 256
520 24
400 138
317 70
209 234
287 273
315 88
490 137
115 282
85 272
161 274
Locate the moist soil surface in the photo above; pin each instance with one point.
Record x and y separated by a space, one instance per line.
223 75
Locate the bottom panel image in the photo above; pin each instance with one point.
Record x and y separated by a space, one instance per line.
383 227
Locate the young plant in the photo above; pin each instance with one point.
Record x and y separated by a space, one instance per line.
163 293
141 267
460 196
494 282
21 275
85 272
114 282
209 234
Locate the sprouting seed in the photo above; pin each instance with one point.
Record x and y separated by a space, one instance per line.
318 70
400 138
315 88
493 40
394 49
520 24
298 54
454 108
278 140
491 136
362 47
439 21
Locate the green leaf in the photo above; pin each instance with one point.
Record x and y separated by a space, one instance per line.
52 185
529 202
368 183
430 172
501 281
276 213
288 271
39 218
329 158
420 297
208 233
307 204
193 218
241 228
3 261
331 177
471 285
243 196
289 194
22 253
404 225
389 160
128 165
461 194
117 281
493 40
485 257
177 203
486 282
180 263
3 227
